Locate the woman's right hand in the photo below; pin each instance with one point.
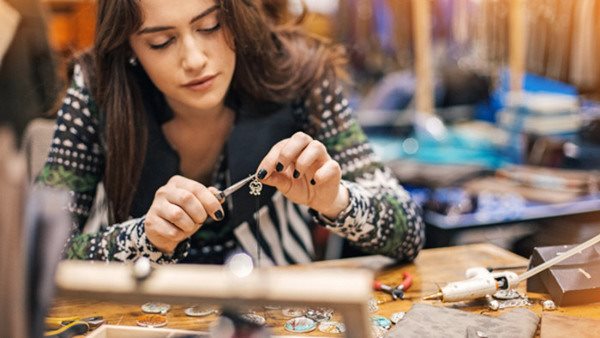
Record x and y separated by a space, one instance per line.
179 209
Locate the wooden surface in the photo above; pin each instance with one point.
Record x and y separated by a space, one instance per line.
432 267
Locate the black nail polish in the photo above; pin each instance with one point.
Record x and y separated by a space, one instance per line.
262 173
296 173
279 167
219 215
313 182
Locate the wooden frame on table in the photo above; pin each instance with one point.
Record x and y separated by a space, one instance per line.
345 290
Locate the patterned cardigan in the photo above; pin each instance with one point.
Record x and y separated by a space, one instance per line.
380 219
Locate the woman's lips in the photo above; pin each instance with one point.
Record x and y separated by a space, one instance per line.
201 84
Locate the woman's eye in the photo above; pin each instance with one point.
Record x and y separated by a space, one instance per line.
210 29
161 45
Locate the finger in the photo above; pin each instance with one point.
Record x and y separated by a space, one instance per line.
189 203
269 162
328 172
281 181
291 150
218 194
175 215
211 203
208 200
313 156
159 227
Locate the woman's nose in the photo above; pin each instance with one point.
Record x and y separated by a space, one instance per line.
193 57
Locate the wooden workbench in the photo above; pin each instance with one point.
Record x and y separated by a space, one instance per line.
432 267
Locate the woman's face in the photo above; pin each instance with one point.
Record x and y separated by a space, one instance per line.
181 45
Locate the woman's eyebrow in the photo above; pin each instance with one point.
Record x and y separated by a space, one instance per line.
155 29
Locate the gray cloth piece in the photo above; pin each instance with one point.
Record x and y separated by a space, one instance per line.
424 320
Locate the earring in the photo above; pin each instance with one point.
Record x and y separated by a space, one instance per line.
133 61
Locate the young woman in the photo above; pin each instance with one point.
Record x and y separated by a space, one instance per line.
180 99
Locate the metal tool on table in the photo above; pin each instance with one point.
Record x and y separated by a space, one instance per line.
480 282
407 281
398 291
69 330
62 327
57 322
221 195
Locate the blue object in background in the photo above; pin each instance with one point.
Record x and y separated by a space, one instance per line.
531 83
457 148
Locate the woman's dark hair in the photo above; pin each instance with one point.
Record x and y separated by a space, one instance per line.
273 64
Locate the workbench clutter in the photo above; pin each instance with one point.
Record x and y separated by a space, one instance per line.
574 281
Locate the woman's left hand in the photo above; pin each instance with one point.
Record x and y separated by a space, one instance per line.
303 171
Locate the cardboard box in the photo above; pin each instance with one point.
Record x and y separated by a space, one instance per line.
573 281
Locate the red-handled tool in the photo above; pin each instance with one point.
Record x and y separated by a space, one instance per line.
407 280
398 291
379 286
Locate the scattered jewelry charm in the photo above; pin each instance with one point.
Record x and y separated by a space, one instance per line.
159 308
320 314
293 312
548 305
507 294
381 321
373 307
254 318
300 325
492 304
199 311
332 327
255 187
397 316
151 321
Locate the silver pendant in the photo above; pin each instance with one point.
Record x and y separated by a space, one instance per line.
255 187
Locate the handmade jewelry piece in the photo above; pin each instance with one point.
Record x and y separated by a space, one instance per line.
507 294
300 325
151 321
199 311
548 305
255 187
152 307
397 316
381 321
254 318
320 314
517 302
293 312
272 307
373 307
332 327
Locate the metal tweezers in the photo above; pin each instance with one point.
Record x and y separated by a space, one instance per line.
221 195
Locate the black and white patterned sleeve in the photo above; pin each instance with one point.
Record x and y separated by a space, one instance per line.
76 164
381 218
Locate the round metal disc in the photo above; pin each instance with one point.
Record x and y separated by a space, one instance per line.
151 320
254 318
381 321
332 327
153 307
300 325
397 316
199 311
293 312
